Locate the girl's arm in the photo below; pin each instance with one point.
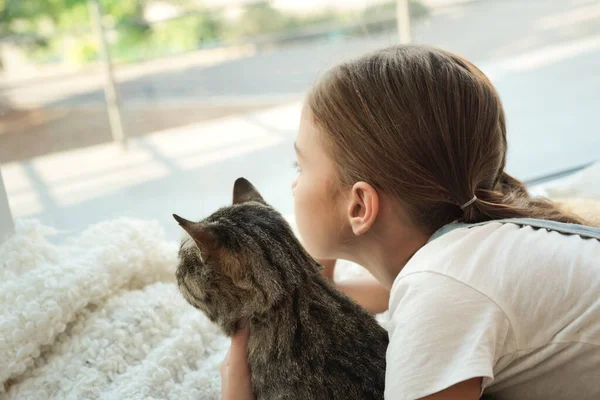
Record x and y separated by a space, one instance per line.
466 390
366 291
235 373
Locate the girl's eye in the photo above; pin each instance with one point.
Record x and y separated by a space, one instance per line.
297 166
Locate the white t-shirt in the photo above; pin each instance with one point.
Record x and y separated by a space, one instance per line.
517 306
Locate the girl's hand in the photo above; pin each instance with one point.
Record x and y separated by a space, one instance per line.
235 373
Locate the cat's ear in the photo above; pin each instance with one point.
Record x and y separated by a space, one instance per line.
203 238
244 191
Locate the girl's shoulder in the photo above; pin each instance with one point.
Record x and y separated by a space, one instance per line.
508 261
586 232
478 294
511 249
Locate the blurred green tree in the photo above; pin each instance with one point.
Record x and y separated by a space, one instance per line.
59 30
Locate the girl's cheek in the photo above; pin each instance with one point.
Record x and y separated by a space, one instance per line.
294 184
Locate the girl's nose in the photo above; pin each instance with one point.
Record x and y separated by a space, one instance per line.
294 183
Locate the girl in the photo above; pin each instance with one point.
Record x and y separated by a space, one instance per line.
401 153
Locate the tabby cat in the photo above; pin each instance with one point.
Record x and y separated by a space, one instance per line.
307 340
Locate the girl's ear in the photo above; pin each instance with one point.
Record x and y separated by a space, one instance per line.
363 207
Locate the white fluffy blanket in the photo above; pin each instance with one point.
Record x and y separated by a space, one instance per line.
100 317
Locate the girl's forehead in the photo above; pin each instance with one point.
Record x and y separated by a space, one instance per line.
307 132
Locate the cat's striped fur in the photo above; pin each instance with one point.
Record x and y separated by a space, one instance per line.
307 340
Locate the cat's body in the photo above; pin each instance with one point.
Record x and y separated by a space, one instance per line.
307 340
317 344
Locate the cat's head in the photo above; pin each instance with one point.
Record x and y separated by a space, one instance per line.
241 260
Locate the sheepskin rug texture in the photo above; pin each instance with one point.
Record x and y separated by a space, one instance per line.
99 316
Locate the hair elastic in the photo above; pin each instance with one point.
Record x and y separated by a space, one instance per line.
468 203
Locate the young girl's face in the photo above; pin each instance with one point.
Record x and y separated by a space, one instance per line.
319 217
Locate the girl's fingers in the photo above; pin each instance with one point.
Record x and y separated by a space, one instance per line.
226 362
235 373
237 351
